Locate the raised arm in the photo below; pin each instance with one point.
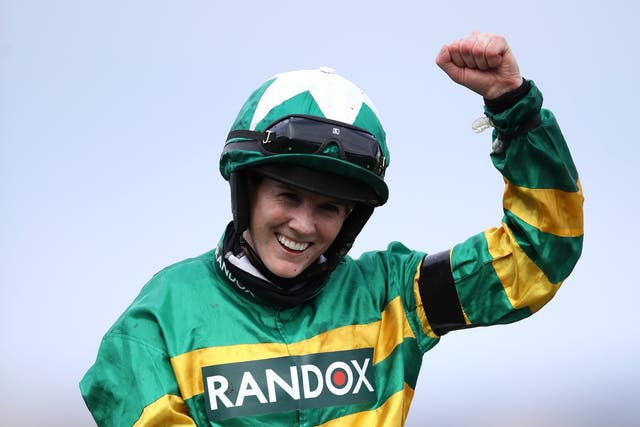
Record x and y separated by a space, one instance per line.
508 272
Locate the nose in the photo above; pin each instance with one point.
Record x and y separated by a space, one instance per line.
303 220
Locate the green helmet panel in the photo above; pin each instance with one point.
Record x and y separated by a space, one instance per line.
319 93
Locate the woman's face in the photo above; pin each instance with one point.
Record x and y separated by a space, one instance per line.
290 228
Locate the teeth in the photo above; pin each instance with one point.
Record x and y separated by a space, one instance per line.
290 244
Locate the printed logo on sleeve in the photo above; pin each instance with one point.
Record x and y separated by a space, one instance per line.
289 383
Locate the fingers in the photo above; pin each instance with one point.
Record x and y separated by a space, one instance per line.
482 62
449 64
482 51
473 50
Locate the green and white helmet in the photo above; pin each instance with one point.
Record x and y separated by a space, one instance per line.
330 99
315 130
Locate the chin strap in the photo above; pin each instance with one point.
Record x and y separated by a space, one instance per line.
275 290
279 290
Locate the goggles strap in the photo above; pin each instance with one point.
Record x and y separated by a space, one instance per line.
246 145
247 134
250 140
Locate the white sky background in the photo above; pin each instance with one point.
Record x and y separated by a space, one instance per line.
113 115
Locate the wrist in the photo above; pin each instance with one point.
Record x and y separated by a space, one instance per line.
508 99
521 111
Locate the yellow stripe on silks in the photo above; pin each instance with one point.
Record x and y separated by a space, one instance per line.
551 211
422 315
391 335
384 336
467 321
384 415
169 410
524 283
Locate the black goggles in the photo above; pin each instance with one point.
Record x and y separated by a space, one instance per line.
300 134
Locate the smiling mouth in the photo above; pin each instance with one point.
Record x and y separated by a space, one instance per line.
292 245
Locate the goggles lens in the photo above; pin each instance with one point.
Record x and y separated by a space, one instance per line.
310 135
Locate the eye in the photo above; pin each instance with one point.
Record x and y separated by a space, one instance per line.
332 208
289 196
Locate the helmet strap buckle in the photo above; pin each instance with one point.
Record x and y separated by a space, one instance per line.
266 140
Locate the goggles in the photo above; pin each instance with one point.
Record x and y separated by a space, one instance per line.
300 134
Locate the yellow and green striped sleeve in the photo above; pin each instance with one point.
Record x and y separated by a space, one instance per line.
132 384
508 272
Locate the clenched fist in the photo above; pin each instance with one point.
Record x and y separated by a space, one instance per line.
482 62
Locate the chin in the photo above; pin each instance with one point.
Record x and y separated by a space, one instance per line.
287 272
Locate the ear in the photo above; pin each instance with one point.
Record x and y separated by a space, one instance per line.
350 207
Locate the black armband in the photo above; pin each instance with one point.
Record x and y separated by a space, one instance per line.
439 295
